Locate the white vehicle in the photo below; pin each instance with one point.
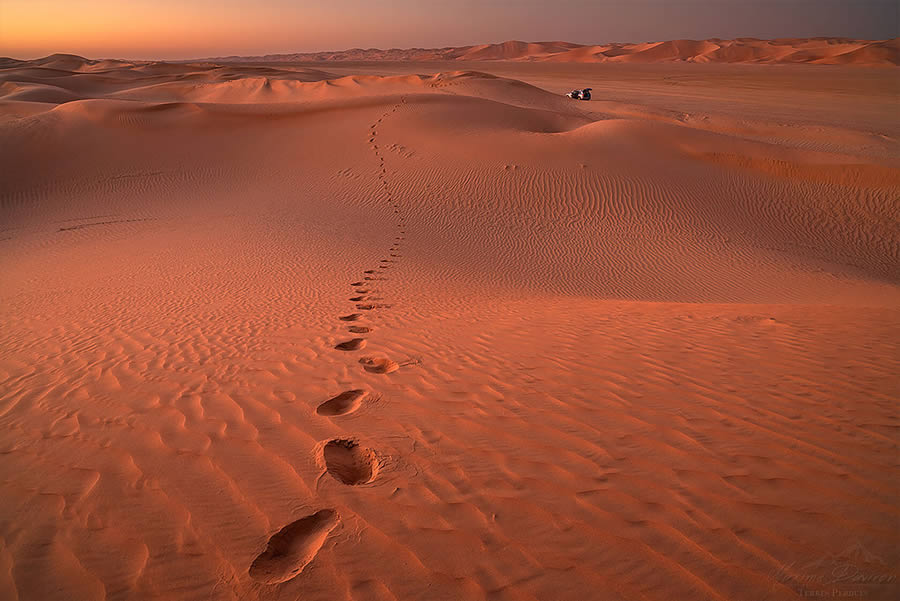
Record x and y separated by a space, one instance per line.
584 94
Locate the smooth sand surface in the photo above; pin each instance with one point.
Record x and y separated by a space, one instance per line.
298 332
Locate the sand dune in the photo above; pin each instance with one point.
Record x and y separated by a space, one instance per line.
281 332
824 51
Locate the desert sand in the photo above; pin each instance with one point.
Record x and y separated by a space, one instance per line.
407 331
814 51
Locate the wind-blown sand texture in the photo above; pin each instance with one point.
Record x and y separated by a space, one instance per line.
276 332
817 51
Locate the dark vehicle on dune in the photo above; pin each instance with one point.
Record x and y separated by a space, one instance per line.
584 94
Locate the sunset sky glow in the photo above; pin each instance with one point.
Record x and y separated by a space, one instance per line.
170 29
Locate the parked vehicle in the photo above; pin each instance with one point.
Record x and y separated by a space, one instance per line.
584 94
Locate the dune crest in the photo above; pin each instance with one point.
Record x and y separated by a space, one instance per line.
819 51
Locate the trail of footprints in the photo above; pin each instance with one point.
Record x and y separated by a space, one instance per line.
293 547
365 297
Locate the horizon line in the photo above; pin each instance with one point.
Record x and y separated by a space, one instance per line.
423 48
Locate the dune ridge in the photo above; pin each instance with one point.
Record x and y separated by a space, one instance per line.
817 51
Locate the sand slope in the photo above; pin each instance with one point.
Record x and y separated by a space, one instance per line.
284 333
820 51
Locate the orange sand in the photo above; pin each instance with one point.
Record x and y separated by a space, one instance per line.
816 51
293 332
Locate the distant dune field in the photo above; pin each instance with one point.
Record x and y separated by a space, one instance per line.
817 51
375 332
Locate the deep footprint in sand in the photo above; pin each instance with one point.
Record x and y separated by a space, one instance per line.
378 365
351 317
351 345
350 463
293 547
360 329
344 403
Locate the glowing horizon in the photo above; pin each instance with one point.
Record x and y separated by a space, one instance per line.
166 29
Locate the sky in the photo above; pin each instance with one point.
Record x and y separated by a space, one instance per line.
181 29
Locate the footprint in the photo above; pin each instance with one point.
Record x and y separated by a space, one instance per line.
365 307
351 345
356 299
360 329
350 463
379 365
293 547
356 284
344 403
369 271
351 317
